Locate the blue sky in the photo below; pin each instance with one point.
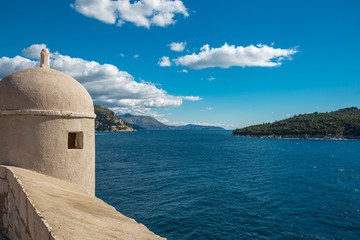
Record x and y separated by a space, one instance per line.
266 60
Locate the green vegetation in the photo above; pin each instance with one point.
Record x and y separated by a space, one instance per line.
107 121
344 123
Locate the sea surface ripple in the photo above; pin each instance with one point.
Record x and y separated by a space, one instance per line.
211 185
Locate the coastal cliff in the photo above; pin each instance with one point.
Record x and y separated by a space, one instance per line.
107 121
340 124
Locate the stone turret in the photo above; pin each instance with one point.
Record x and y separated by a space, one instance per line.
47 162
47 124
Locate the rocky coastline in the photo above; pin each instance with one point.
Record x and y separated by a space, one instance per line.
304 136
107 121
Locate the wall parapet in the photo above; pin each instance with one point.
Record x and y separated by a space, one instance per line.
20 219
36 206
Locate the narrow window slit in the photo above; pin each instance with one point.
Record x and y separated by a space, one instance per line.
75 140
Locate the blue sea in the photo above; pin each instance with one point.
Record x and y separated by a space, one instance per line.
211 185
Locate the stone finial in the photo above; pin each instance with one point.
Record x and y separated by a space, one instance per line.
44 58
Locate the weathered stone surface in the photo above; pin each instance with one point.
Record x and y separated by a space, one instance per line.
2 237
5 221
41 231
11 234
11 208
3 173
6 186
31 219
52 237
14 188
56 209
2 183
45 58
21 230
22 206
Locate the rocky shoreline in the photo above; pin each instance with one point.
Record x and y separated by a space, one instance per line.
303 136
117 130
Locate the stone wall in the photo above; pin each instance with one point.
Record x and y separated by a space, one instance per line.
37 206
19 218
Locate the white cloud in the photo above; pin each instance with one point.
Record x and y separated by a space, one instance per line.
192 98
107 85
209 108
177 47
142 13
229 55
33 51
138 111
136 56
122 55
288 115
164 62
211 79
10 65
183 71
163 120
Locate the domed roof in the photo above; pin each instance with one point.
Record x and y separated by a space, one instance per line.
44 89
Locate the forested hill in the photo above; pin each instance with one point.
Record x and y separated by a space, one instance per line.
107 121
343 123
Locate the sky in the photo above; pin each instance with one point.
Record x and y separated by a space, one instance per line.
228 63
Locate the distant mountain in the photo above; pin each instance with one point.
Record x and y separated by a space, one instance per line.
340 124
107 121
151 123
144 122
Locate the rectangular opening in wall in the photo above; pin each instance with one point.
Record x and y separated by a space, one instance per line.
75 140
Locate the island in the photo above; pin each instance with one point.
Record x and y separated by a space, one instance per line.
340 124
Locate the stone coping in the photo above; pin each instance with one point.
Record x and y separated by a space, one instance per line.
71 213
36 112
